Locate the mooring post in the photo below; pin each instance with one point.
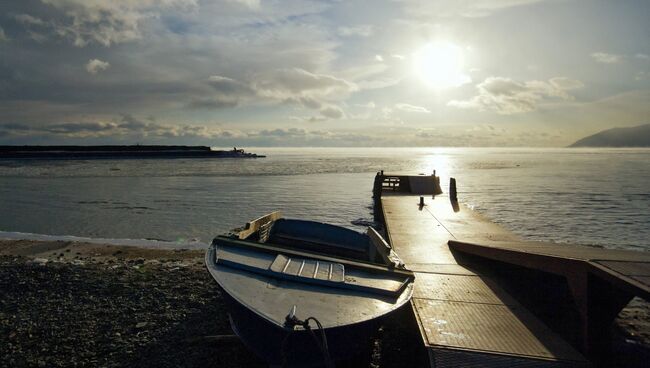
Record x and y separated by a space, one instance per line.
421 201
435 182
453 195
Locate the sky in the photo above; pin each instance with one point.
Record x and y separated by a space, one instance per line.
321 73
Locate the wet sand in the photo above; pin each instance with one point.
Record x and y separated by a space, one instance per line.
71 304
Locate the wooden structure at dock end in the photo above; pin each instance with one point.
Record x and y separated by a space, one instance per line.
467 315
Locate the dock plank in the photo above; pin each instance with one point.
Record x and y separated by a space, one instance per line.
490 328
458 309
460 288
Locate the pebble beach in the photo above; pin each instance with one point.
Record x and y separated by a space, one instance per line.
79 304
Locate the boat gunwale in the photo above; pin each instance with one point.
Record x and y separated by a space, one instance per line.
366 265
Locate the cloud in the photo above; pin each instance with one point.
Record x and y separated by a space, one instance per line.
29 20
642 56
605 58
369 105
297 81
251 4
279 132
100 22
220 82
564 83
226 55
225 92
284 86
326 113
298 86
411 108
213 103
302 137
506 96
332 112
365 30
94 66
229 86
126 127
470 9
307 102
3 36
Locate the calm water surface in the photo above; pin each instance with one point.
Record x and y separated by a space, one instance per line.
585 196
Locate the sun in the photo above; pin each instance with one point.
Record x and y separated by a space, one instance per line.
440 65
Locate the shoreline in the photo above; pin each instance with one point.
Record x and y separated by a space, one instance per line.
74 303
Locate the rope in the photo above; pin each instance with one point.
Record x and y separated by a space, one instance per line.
322 344
293 321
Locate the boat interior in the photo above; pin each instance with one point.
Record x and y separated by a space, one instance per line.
311 236
313 253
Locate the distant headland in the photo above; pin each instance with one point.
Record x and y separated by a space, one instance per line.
119 151
638 136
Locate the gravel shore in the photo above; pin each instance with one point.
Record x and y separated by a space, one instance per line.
111 307
76 304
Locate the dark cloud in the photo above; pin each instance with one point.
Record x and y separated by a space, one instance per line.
132 123
79 128
126 126
213 103
291 132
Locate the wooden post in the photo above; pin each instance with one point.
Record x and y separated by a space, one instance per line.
453 195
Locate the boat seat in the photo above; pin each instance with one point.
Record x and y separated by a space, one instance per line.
309 268
313 271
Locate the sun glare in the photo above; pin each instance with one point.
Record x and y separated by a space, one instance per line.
440 65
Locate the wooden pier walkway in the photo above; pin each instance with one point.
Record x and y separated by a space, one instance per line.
465 317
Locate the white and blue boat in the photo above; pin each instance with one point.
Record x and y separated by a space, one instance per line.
304 293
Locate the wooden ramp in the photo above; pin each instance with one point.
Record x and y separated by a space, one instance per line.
601 281
465 318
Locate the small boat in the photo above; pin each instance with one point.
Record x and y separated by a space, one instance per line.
304 293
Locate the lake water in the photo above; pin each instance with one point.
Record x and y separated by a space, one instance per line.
583 196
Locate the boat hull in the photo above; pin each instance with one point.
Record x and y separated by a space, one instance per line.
283 347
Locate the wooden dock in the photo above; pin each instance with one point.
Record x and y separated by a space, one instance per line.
465 317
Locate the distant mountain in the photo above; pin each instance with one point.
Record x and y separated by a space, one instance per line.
638 136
